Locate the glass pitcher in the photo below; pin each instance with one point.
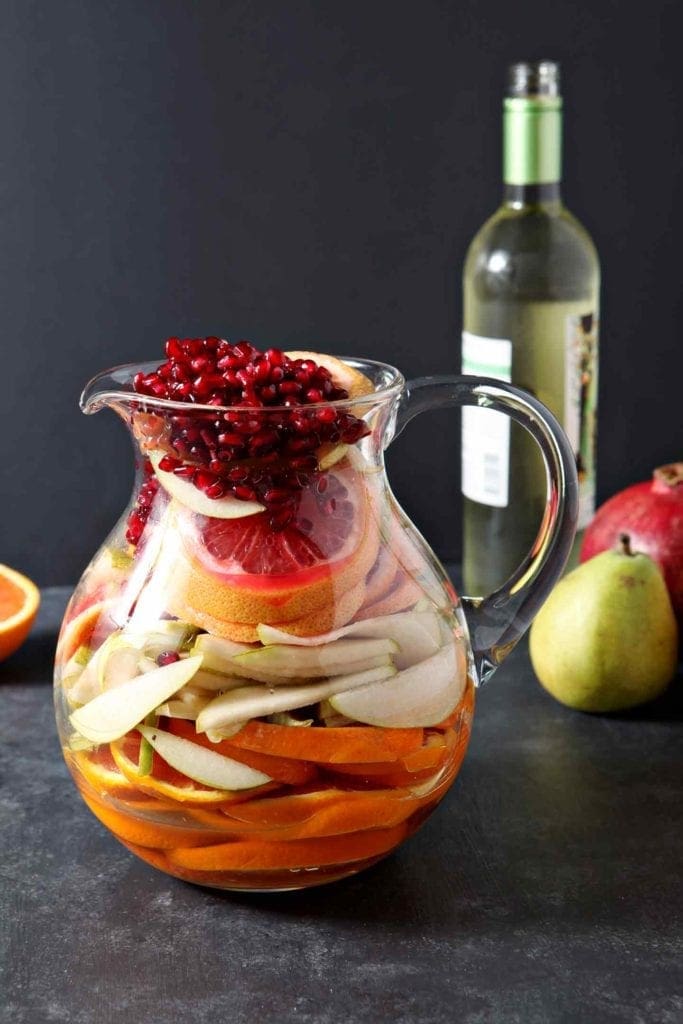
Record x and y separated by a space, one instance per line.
264 679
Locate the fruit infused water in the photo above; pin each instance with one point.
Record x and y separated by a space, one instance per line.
262 677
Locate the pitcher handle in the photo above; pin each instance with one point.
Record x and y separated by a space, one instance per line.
498 621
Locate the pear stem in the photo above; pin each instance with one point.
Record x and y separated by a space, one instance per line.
625 545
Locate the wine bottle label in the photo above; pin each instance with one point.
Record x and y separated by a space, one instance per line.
485 433
580 404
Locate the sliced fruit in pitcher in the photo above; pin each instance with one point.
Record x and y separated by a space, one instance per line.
417 635
244 571
201 764
335 658
226 507
258 701
115 712
422 695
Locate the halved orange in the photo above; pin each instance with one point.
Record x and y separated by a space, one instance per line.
165 782
19 601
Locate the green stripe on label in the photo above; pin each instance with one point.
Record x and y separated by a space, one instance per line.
485 369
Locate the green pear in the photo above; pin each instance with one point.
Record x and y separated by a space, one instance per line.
606 639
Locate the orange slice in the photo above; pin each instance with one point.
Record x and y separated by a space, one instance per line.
19 600
255 855
154 834
169 784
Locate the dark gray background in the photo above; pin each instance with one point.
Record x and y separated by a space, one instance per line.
306 174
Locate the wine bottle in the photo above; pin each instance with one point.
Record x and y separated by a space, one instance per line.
530 316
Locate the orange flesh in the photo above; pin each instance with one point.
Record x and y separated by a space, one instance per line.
12 598
332 819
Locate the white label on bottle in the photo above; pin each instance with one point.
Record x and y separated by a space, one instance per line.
485 433
580 404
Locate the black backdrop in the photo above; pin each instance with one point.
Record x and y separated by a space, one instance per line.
306 174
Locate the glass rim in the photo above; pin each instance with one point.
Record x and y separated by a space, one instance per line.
101 390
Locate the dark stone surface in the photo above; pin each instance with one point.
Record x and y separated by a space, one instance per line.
547 888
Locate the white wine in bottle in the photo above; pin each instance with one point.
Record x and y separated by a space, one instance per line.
531 289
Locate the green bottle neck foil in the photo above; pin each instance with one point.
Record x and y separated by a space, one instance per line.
532 140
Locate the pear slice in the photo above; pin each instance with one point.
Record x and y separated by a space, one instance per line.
217 652
312 662
330 455
204 766
191 497
119 662
417 634
258 701
216 681
422 695
340 668
187 709
112 714
82 688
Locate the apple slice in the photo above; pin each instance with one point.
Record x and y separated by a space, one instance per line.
257 701
204 766
112 714
191 497
334 658
422 695
417 634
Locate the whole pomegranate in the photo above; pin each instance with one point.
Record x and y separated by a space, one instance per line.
651 512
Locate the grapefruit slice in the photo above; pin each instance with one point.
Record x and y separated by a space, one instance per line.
243 571
340 610
401 595
343 375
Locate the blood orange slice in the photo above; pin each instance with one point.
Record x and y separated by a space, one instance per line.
244 571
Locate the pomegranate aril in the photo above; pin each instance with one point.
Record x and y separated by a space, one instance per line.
203 480
168 463
216 490
282 518
167 658
174 349
185 472
276 495
244 493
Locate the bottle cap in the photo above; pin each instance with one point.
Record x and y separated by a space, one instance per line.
534 78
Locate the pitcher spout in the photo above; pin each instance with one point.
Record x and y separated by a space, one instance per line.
111 388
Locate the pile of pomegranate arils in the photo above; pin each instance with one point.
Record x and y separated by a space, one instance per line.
263 447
